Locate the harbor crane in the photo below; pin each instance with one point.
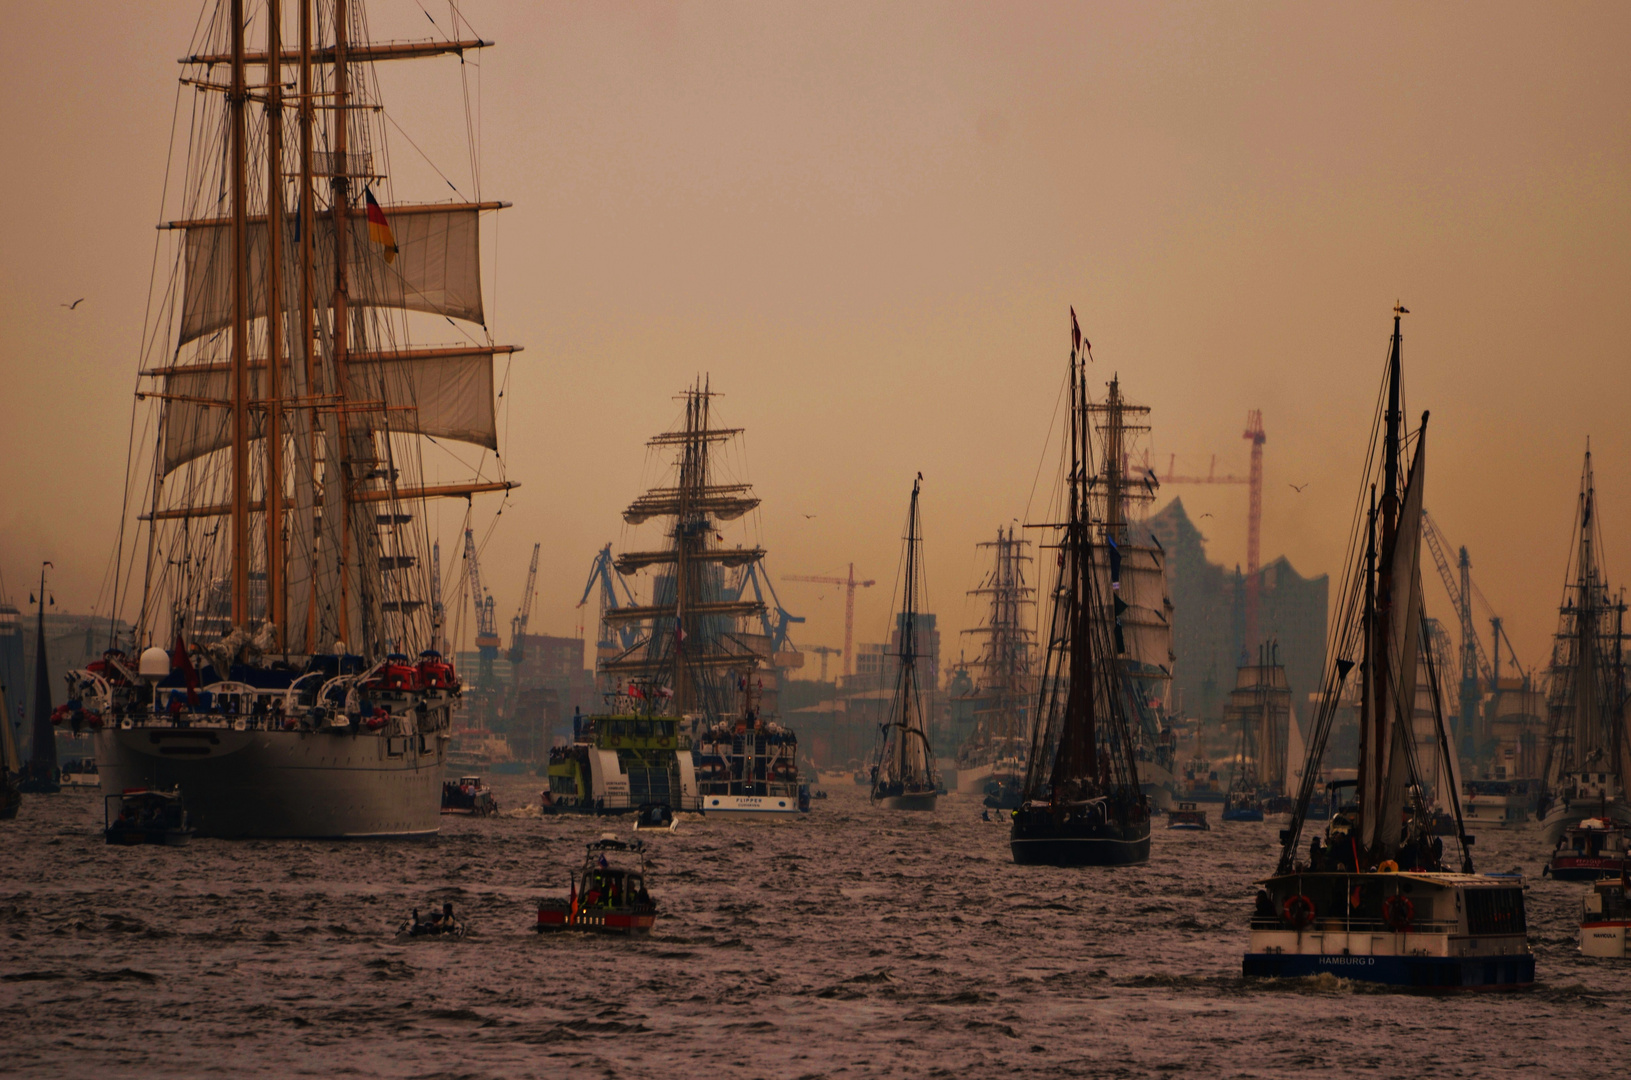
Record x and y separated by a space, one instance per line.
627 635
824 651
486 628
850 585
518 624
1476 669
776 631
438 616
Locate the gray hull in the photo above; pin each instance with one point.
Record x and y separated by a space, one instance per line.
920 801
283 784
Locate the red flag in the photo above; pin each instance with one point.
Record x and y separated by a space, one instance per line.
180 660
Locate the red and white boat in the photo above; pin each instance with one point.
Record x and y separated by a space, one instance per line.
1589 850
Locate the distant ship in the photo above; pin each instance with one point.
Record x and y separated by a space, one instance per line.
903 773
1590 761
1380 897
1082 804
288 682
991 761
692 652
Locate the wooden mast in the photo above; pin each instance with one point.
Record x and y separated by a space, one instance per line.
240 324
308 291
276 599
339 456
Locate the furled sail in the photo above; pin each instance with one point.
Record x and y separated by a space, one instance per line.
1394 730
437 267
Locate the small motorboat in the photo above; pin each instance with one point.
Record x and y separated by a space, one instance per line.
1587 851
1187 817
80 773
608 894
146 817
655 816
468 797
437 924
1605 914
1242 804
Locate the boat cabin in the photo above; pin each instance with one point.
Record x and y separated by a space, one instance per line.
608 894
143 816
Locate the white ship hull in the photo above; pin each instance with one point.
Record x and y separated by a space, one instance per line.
751 807
284 784
1560 817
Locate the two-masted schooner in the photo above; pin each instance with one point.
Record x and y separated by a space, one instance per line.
903 773
1378 897
1589 761
1082 804
991 761
288 685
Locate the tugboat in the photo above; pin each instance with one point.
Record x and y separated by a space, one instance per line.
1083 805
1595 847
1188 819
1374 899
904 776
607 896
1605 915
146 817
1242 803
468 797
620 762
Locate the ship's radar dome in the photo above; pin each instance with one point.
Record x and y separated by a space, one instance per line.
155 664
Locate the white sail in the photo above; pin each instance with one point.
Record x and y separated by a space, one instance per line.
437 268
445 393
1394 727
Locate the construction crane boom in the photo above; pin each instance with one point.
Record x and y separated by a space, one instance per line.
518 624
1459 589
600 573
850 585
824 651
486 632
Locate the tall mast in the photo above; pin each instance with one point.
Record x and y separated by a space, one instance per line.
236 100
338 468
276 600
308 289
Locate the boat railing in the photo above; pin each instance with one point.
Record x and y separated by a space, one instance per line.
1359 925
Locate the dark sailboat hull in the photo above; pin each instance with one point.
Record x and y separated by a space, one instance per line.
1039 840
923 800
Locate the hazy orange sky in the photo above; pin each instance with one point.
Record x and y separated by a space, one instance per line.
866 221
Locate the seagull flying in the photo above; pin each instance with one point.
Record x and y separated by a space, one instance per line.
807 517
73 305
1205 516
1298 488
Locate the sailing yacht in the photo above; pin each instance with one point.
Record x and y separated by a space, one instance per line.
903 774
1378 898
1082 804
1590 760
289 682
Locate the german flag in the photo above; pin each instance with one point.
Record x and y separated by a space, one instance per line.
379 230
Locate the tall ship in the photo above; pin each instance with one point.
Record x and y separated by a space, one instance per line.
1259 708
695 650
283 674
1589 761
1379 897
991 761
903 774
1081 803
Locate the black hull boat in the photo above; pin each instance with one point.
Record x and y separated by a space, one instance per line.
1079 837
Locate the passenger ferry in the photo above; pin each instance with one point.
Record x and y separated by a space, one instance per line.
618 763
1605 914
1587 851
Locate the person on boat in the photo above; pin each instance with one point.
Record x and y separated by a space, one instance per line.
1316 855
1265 905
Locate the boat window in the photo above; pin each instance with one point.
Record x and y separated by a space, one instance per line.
1495 911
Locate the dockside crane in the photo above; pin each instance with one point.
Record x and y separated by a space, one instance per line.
773 618
486 624
620 638
824 651
1476 669
518 624
850 585
438 616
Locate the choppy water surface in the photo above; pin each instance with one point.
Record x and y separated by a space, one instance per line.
848 943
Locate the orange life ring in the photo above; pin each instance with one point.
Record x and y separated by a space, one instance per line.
1298 911
1398 912
665 742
